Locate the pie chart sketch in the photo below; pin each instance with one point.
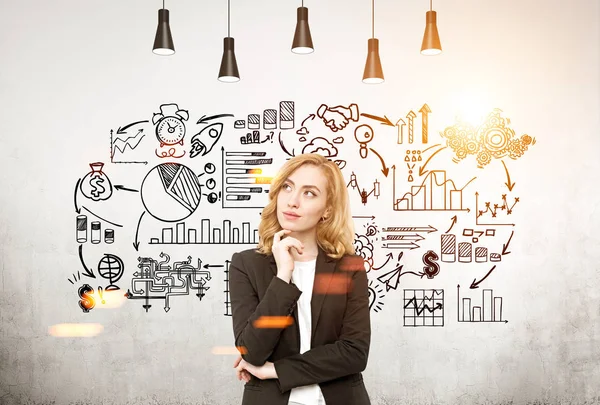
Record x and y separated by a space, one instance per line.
170 192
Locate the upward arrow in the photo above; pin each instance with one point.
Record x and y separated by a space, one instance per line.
424 123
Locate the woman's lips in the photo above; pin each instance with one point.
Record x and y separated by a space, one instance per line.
288 216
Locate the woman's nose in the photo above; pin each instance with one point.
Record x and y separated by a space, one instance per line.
293 201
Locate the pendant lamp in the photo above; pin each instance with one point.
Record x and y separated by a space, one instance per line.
373 71
228 72
302 43
431 39
163 41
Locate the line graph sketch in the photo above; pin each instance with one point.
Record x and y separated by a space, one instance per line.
423 307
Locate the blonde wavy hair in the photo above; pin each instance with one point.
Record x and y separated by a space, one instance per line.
335 234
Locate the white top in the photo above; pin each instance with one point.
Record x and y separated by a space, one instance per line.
304 278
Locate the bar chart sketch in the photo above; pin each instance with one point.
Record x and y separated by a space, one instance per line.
435 193
269 118
463 251
245 183
490 309
423 307
207 234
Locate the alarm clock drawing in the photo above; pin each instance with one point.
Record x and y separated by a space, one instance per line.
170 128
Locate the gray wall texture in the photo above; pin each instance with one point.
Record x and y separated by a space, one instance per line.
73 71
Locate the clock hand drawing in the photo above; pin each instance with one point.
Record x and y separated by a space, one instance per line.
170 131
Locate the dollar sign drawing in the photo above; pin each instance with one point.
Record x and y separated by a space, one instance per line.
87 301
431 268
97 187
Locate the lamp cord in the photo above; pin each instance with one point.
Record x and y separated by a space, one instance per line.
228 18
373 18
163 4
430 6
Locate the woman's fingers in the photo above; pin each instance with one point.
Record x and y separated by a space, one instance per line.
291 242
294 243
237 361
278 235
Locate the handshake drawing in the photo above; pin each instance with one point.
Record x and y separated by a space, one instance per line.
336 118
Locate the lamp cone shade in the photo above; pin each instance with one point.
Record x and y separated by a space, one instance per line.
431 39
163 42
302 40
229 70
373 70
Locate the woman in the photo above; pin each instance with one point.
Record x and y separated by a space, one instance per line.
300 300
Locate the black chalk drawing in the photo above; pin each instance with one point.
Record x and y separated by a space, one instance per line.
254 138
376 294
204 141
95 231
171 192
321 146
423 307
111 268
363 246
364 194
337 118
207 234
81 226
87 271
243 182
391 279
490 309
162 281
270 118
227 295
124 140
170 129
96 185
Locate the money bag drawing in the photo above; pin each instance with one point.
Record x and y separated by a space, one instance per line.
96 185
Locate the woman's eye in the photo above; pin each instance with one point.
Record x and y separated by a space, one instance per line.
313 194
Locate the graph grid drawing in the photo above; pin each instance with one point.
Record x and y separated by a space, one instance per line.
489 311
423 307
208 235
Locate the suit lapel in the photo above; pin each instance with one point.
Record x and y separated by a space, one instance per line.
324 270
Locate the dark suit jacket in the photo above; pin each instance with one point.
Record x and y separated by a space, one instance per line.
341 328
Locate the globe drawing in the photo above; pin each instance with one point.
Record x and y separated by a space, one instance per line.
111 268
